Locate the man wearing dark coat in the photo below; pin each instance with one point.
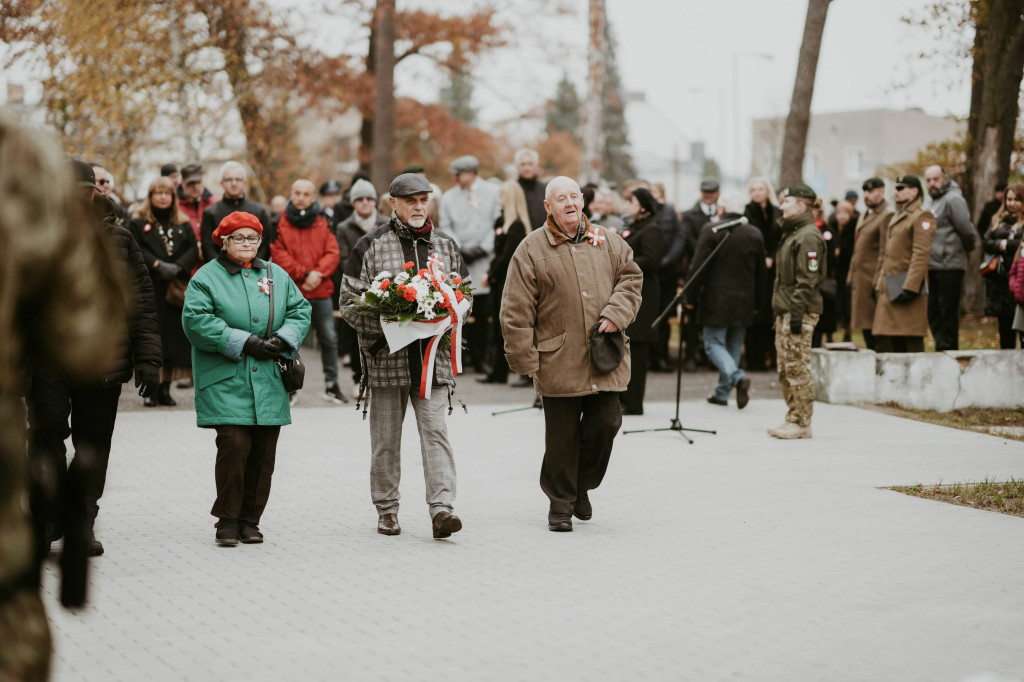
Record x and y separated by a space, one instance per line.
704 211
728 291
528 168
233 180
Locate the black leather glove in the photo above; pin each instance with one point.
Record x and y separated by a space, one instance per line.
874 294
905 296
147 378
167 271
796 323
277 346
257 348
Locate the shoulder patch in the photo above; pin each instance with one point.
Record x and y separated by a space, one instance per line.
812 261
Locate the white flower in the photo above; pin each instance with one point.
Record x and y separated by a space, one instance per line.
401 278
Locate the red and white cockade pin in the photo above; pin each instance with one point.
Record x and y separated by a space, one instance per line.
596 236
264 285
147 227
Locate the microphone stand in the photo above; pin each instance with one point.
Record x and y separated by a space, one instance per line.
675 424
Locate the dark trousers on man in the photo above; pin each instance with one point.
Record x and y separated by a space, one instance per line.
476 332
245 465
899 344
640 354
58 409
944 307
578 436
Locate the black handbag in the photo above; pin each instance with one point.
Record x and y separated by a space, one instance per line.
293 372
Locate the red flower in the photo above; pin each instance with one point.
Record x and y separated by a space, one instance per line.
457 281
409 294
385 284
423 272
408 266
458 296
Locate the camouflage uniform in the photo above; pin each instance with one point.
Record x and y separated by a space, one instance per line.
57 296
800 269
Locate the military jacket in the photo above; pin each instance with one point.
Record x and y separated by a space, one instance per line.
800 266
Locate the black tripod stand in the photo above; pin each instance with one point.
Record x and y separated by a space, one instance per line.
675 424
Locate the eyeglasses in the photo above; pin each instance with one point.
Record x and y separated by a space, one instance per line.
900 188
238 239
104 182
371 199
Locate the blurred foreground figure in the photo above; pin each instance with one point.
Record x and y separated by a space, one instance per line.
58 296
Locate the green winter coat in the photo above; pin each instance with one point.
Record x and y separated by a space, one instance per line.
224 304
799 266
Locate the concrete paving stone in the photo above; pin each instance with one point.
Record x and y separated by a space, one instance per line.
737 558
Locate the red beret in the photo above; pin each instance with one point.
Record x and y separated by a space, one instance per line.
236 221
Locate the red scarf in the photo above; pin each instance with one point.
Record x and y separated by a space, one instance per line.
421 232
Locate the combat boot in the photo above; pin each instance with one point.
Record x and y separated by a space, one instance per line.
789 431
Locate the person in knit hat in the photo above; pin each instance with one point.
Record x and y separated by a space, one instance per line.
365 218
238 389
308 251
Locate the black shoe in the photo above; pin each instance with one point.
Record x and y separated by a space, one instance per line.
742 392
227 532
560 523
151 401
522 382
250 533
583 510
163 395
690 365
444 524
334 395
94 545
658 366
717 401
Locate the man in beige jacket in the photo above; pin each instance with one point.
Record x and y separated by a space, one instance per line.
565 281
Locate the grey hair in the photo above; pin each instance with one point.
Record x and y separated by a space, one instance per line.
229 165
560 180
524 152
733 201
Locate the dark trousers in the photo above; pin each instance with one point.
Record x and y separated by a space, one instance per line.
668 286
869 339
476 332
944 307
1007 336
245 464
760 347
899 344
58 409
640 353
578 436
691 334
499 365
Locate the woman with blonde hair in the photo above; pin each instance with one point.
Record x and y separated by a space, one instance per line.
763 213
1001 241
511 227
169 248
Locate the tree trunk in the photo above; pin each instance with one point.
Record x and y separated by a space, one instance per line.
382 169
366 128
799 119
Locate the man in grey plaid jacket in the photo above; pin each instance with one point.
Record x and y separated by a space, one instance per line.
394 378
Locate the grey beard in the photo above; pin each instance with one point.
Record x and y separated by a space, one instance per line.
417 222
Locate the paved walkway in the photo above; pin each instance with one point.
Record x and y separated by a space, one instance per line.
737 558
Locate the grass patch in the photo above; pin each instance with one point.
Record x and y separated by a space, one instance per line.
1005 497
968 418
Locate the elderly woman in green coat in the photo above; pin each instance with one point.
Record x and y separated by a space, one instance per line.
238 385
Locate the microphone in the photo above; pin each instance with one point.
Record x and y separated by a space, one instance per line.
730 224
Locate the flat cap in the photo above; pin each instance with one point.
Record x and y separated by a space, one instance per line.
606 349
330 187
800 191
407 184
872 183
167 169
709 185
464 164
192 172
911 180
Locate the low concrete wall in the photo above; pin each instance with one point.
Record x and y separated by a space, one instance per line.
935 381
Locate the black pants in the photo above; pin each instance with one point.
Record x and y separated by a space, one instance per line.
944 307
668 286
691 334
58 409
245 465
476 332
869 339
578 436
640 353
899 344
759 347
1007 336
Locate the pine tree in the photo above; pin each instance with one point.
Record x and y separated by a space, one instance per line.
618 162
564 110
457 96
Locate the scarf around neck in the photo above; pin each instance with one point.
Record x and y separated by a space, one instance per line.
304 217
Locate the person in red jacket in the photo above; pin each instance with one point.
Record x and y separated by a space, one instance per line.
193 199
308 251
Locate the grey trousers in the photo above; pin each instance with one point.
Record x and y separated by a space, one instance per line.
387 412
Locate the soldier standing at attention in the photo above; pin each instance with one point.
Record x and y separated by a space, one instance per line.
796 300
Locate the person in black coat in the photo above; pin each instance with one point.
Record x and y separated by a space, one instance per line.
169 248
510 229
60 407
705 210
728 291
764 214
1001 240
647 240
234 182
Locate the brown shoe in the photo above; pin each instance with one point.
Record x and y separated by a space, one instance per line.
387 524
445 523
